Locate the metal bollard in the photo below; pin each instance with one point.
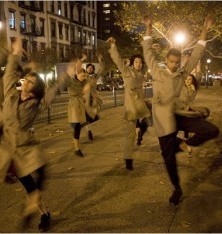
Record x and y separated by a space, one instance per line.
114 96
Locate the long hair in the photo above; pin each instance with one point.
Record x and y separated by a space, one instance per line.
194 81
39 88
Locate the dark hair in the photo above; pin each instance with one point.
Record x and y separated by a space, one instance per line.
39 88
90 65
174 52
194 81
133 57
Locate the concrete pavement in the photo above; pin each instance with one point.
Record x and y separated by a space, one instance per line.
97 194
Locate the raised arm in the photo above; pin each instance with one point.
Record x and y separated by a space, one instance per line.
10 78
101 65
200 47
62 81
147 47
114 53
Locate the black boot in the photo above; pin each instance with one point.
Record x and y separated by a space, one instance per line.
79 153
175 197
90 135
129 164
44 222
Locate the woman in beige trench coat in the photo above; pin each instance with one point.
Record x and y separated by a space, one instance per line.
20 109
78 106
134 100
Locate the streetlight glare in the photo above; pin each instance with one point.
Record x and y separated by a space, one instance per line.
208 60
1 24
180 38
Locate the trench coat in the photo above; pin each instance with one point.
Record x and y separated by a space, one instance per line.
167 87
3 60
134 99
19 142
76 104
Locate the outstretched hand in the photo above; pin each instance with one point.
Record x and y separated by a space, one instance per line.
111 40
84 57
71 68
17 47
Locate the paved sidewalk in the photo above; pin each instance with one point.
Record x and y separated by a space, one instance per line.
97 194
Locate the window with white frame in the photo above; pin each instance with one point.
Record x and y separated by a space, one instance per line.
11 19
106 11
22 22
106 5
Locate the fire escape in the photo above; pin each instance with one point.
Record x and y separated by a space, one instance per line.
29 27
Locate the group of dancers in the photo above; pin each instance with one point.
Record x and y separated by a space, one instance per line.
174 89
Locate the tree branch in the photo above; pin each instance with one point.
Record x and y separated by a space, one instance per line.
214 56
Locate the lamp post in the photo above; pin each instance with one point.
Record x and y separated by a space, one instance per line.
180 38
207 70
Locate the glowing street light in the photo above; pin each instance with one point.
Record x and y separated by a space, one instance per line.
208 61
207 73
1 24
180 38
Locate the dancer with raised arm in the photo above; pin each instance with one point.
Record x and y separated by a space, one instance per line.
167 85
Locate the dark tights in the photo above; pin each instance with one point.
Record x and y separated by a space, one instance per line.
30 184
77 129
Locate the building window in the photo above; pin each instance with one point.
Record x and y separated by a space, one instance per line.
34 47
23 23
79 35
25 44
42 27
53 29
72 36
106 11
107 31
89 38
84 38
66 10
41 6
106 5
71 12
52 7
59 8
89 19
12 19
67 32
33 24
61 53
84 17
60 31
93 40
42 47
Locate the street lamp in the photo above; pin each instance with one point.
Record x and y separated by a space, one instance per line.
180 38
207 70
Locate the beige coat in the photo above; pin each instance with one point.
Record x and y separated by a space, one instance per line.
167 88
3 60
20 144
134 102
76 108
